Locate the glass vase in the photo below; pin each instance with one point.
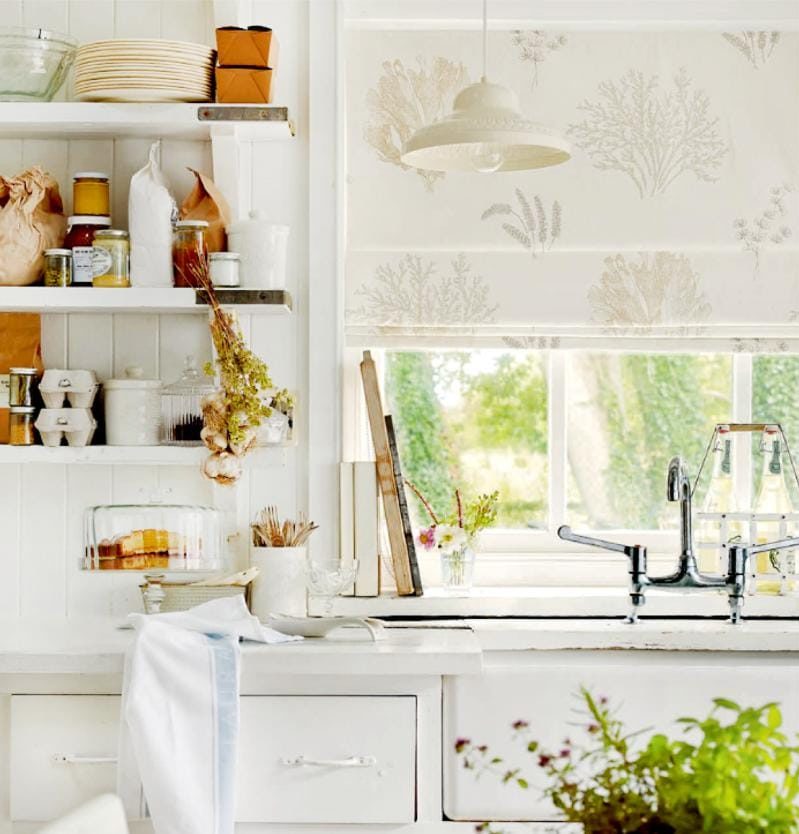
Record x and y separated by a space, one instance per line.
457 571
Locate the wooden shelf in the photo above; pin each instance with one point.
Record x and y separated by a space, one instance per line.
137 300
90 120
264 456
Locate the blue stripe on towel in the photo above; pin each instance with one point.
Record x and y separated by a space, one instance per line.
224 666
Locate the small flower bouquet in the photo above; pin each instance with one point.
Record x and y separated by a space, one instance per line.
454 535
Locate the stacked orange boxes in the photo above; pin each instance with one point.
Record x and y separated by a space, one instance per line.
246 61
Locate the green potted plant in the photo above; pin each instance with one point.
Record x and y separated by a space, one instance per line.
455 535
734 772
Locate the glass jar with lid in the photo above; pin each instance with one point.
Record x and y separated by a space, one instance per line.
111 258
57 267
189 252
20 425
91 193
80 239
181 406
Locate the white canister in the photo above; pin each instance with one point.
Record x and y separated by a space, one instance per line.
280 585
223 268
262 248
132 410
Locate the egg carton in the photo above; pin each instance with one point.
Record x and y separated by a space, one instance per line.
79 388
76 424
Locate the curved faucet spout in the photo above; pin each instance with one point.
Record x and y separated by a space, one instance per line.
678 488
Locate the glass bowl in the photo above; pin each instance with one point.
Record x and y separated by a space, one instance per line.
328 579
33 63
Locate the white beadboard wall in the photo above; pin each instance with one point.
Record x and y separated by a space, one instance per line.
42 505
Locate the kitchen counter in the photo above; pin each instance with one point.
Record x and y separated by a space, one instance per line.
96 648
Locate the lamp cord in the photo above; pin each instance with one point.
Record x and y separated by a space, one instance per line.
485 37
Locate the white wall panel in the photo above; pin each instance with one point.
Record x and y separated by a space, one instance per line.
91 343
10 540
41 548
180 337
136 344
137 19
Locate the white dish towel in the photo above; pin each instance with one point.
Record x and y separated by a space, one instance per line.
180 714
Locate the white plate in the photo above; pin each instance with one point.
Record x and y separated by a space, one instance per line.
142 95
191 78
131 64
145 45
192 89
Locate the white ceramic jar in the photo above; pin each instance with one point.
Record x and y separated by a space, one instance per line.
280 585
132 410
262 248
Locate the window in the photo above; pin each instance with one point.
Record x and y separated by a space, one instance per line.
573 436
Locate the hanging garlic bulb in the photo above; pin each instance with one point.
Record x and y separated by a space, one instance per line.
222 467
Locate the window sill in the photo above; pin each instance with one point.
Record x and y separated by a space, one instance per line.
554 602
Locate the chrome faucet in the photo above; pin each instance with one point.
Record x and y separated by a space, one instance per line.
687 577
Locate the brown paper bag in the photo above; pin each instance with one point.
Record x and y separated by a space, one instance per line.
20 347
206 202
31 220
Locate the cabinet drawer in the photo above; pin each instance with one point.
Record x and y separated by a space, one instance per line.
297 759
63 752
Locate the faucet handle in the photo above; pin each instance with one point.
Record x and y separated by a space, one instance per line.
565 533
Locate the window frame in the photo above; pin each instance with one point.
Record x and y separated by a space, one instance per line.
523 557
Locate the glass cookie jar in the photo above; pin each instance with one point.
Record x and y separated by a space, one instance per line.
171 537
181 409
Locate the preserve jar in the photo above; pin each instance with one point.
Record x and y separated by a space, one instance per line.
262 246
132 409
189 252
181 406
111 258
223 268
91 193
57 267
80 239
21 386
20 425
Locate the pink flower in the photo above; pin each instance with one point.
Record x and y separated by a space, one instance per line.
427 538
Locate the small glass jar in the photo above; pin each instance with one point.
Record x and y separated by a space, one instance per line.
22 386
20 425
80 239
223 267
111 258
189 252
91 193
57 267
181 409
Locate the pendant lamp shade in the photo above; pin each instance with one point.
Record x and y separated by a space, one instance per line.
485 132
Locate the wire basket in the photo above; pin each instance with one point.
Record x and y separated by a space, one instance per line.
774 572
181 596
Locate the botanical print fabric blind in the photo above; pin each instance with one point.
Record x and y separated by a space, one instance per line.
677 216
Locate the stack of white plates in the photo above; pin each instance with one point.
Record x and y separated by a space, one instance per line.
144 70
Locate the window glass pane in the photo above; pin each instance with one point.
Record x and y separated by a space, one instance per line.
775 399
628 415
475 420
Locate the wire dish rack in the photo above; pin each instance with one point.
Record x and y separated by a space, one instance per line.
767 573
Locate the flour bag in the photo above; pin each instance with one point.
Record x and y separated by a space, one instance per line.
31 220
151 212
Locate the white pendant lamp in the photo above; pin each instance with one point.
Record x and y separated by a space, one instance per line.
486 132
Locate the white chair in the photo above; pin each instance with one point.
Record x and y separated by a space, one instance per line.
103 815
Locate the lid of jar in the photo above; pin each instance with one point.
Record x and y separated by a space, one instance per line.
192 381
224 256
90 175
114 233
23 371
66 252
89 220
192 224
134 378
22 409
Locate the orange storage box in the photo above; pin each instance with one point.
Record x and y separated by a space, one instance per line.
243 85
252 47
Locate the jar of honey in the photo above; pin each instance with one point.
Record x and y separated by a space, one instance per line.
189 252
91 193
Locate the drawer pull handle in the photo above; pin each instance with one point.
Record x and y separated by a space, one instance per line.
351 761
71 758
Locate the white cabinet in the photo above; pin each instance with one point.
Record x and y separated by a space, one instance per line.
63 752
327 759
651 689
